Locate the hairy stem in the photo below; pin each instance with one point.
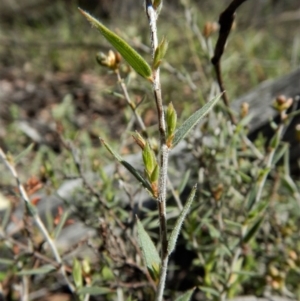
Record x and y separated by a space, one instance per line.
164 155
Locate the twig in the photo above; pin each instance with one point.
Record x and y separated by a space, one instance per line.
131 104
226 20
33 212
35 253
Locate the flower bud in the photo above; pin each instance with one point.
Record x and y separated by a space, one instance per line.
282 103
297 128
149 160
171 118
139 140
244 109
210 28
111 60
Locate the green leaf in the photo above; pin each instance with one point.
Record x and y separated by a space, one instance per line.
280 152
244 122
235 271
129 167
150 253
184 181
155 174
171 118
149 158
289 183
252 231
94 290
157 4
257 209
160 52
275 140
186 127
180 220
250 201
24 153
213 231
62 222
77 273
186 296
210 290
232 223
39 271
127 52
31 209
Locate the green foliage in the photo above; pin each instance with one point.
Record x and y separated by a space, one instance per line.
176 230
192 121
127 52
77 274
150 253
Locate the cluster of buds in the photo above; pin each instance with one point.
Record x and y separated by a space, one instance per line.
282 103
111 60
276 278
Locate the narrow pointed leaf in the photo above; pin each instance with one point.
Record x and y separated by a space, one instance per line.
94 290
149 158
129 167
186 296
184 181
61 223
77 274
127 52
280 153
210 291
252 231
155 174
185 128
160 52
23 153
236 271
251 198
39 271
171 118
180 220
150 253
290 184
257 209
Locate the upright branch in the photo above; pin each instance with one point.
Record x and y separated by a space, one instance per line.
152 14
226 20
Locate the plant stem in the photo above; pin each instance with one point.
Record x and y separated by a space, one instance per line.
131 104
37 219
164 155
